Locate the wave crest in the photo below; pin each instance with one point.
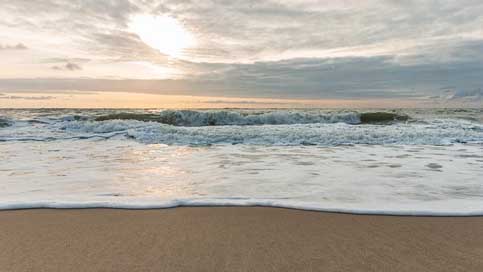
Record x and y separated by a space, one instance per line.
190 118
437 132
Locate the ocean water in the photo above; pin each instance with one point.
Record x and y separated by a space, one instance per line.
411 162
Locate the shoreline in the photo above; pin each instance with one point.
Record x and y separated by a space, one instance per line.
235 239
327 211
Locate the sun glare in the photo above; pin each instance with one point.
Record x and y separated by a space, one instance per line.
163 33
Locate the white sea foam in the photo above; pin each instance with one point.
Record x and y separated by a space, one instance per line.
411 180
438 132
430 166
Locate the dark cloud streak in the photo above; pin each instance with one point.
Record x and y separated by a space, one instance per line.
67 67
18 46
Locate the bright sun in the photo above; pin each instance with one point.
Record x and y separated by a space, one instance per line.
163 33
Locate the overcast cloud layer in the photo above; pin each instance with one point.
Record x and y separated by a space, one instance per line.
279 48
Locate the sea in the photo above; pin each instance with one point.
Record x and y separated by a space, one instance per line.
390 161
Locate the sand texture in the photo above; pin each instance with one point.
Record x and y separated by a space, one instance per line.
235 239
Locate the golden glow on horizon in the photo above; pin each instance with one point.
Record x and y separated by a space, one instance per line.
163 33
84 99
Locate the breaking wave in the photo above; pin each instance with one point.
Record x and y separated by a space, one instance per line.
435 133
253 127
190 118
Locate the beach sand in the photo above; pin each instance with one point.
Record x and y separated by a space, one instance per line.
235 239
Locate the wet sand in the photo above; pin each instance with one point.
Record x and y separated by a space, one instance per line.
235 239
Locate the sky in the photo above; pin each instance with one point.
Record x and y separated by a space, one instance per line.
420 50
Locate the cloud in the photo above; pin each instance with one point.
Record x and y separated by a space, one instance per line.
465 98
247 102
270 30
95 28
374 77
17 97
124 46
57 60
72 67
250 31
18 46
270 48
67 67
473 94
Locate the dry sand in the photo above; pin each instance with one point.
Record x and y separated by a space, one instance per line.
235 239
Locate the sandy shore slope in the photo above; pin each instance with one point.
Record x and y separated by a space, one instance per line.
235 239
